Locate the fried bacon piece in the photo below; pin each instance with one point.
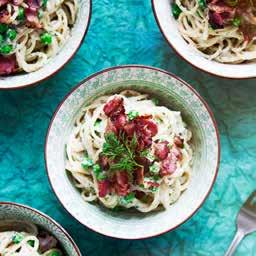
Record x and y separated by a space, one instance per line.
7 64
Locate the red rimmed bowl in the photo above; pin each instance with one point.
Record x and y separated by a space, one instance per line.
173 93
56 63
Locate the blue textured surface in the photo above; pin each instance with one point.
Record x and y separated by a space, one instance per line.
125 32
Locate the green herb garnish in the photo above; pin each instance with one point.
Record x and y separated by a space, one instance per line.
147 154
31 243
127 199
154 168
132 114
236 22
121 151
176 11
87 163
17 238
202 4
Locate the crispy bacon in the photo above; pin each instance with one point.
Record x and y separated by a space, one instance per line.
46 241
3 2
103 187
32 18
5 16
178 142
122 183
7 64
161 149
114 107
139 175
17 2
168 165
104 162
110 127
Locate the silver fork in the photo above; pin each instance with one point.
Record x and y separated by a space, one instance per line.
246 222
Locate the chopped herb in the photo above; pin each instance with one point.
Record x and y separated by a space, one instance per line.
44 3
101 176
21 13
176 11
202 4
96 169
46 38
11 33
97 123
6 49
3 27
17 238
147 154
54 253
40 13
236 22
87 162
132 114
31 243
1 38
155 168
154 189
128 199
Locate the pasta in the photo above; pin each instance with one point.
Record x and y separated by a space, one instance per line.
221 30
14 243
156 135
32 32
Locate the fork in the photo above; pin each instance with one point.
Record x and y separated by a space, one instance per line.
245 222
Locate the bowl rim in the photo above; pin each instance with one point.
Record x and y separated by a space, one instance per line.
184 58
152 69
37 212
50 75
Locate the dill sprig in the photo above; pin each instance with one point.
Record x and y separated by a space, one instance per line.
121 151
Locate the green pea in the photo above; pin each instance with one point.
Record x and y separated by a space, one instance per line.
96 169
54 253
1 38
3 28
44 3
6 48
21 13
132 115
87 162
11 33
176 11
101 176
236 22
202 4
46 38
17 238
40 13
31 243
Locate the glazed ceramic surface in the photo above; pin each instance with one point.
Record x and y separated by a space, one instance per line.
12 211
171 92
63 56
169 28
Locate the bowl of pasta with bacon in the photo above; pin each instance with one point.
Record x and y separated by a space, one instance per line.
216 36
25 231
38 37
132 152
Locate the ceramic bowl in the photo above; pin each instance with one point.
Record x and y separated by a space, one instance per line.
172 92
169 29
65 54
18 212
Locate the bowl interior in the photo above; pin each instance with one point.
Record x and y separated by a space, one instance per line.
168 25
172 93
10 211
63 56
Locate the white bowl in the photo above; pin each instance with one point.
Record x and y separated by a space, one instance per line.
169 29
174 93
65 54
19 212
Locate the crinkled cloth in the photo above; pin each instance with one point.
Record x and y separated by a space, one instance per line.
125 32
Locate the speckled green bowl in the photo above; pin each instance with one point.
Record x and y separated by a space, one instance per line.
172 92
18 212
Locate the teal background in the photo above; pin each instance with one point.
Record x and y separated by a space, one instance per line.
125 32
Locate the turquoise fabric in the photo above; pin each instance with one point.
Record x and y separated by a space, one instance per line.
125 32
